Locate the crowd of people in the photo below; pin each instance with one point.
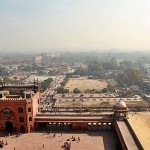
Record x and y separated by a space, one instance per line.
2 144
67 143
66 146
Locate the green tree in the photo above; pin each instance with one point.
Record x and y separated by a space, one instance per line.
3 72
104 90
81 71
110 65
45 84
61 90
7 80
76 90
26 67
126 64
15 77
131 76
95 69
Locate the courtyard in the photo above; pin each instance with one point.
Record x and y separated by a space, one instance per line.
90 140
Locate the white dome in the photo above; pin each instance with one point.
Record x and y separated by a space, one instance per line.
120 104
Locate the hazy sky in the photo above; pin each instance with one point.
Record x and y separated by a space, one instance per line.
74 24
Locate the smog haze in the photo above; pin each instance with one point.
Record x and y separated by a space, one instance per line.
74 25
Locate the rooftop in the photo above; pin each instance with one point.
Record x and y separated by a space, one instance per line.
140 122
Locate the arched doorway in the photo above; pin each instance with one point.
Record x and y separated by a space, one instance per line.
40 125
9 126
22 129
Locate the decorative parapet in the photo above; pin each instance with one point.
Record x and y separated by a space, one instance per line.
12 99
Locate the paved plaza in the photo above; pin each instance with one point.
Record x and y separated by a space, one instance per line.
93 140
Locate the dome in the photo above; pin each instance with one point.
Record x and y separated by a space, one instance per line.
120 104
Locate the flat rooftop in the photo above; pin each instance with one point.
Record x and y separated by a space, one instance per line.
88 141
129 141
73 119
98 100
140 122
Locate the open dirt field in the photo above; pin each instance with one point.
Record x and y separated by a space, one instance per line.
83 84
140 123
35 141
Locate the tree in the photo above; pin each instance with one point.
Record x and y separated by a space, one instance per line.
126 64
45 84
41 72
110 65
15 77
104 90
7 80
130 76
35 66
76 90
26 67
81 71
95 69
61 90
3 72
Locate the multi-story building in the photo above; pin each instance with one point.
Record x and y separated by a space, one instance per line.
18 106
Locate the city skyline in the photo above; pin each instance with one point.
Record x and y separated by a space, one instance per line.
74 25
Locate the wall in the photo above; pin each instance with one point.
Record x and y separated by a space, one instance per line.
13 105
35 104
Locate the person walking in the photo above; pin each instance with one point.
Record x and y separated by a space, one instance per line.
78 139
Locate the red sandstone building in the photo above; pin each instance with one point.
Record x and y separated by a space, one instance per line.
18 107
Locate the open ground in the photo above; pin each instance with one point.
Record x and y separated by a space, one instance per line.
88 141
83 84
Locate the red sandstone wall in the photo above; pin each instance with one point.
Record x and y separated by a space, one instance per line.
35 104
30 124
79 126
13 105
